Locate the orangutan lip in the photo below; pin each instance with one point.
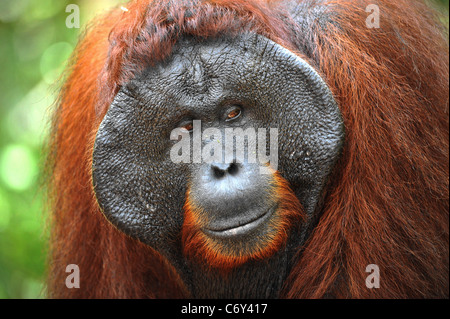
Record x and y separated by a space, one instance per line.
242 228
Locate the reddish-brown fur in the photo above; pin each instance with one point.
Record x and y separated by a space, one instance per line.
387 202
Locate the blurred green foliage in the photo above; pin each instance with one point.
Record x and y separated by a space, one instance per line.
34 43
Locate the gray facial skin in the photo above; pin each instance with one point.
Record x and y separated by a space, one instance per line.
142 192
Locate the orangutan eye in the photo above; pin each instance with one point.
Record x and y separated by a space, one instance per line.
189 126
234 113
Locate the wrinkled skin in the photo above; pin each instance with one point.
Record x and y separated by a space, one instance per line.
142 191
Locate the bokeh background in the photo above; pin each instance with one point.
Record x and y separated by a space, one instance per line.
34 45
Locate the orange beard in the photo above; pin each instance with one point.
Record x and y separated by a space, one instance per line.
218 254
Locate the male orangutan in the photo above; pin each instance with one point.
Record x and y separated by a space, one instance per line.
361 176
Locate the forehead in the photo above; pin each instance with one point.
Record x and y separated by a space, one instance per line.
201 75
202 70
204 75
191 57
